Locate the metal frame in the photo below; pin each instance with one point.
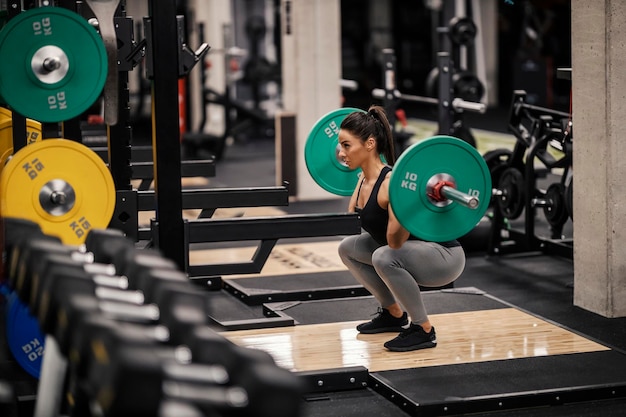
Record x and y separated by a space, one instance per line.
531 143
266 230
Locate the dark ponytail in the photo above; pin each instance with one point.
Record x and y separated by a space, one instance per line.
373 124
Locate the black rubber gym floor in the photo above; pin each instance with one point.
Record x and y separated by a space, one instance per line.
567 383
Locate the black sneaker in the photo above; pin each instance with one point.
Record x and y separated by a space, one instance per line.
384 322
413 338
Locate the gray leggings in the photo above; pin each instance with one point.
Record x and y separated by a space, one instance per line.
394 275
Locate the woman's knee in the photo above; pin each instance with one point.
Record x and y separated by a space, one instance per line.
382 257
346 247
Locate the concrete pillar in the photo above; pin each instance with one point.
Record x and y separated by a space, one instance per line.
599 106
311 70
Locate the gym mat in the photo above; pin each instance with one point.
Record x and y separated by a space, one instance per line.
506 384
349 404
312 286
360 308
491 356
228 313
490 334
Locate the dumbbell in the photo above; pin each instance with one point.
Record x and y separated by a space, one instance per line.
269 390
205 345
32 261
104 284
28 260
15 229
135 379
107 242
100 241
99 247
71 294
96 336
134 375
18 248
24 338
8 401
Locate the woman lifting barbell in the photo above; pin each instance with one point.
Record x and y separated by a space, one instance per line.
385 258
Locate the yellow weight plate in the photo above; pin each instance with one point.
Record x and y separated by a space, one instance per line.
33 134
60 184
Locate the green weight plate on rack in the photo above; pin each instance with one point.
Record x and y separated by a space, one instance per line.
321 154
53 64
432 158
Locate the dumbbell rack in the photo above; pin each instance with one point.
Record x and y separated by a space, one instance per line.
141 307
535 129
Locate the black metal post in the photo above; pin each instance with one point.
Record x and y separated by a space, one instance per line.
446 95
165 131
390 102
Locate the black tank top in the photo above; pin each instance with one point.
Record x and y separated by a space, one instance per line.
374 218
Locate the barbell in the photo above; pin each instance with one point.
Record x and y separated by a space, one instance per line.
440 187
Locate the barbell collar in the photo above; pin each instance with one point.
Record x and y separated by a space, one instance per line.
441 190
460 104
460 197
